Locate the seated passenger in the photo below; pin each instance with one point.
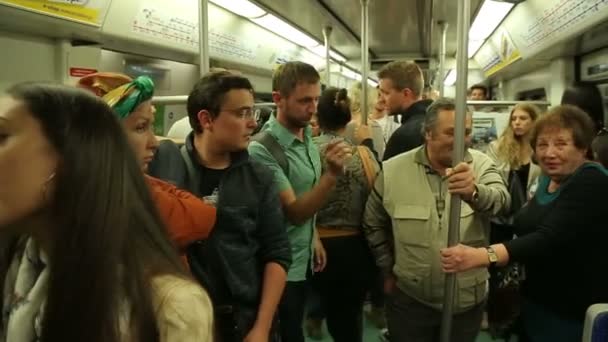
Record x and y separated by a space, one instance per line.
349 273
561 232
244 263
188 218
406 223
84 255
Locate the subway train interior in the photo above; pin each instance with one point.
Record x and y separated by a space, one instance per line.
519 51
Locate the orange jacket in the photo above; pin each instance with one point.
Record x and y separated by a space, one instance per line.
187 217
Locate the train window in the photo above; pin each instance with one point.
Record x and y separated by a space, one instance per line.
538 94
263 97
161 77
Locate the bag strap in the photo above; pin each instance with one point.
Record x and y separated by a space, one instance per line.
367 165
191 177
274 148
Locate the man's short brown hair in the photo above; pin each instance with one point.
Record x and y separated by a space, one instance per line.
404 74
287 76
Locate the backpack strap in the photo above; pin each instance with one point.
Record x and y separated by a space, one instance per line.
192 181
367 165
274 148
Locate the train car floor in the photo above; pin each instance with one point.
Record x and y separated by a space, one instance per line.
372 334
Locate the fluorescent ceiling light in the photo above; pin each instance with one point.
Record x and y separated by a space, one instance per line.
283 29
474 46
372 82
488 18
320 50
450 79
351 74
243 8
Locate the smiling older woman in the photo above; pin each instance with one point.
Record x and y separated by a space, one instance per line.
561 232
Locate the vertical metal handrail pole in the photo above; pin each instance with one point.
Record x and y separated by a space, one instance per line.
458 155
326 35
364 59
442 54
203 37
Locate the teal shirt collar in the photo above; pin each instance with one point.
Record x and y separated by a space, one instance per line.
282 134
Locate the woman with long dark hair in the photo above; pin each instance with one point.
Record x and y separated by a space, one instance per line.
84 255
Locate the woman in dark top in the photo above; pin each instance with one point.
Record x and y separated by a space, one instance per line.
512 154
561 232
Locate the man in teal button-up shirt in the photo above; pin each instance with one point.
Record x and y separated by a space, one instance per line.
303 191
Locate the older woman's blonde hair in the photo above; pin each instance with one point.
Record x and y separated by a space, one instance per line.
355 98
512 150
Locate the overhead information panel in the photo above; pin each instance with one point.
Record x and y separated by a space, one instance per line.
487 57
173 25
497 52
174 22
90 12
535 25
238 40
224 43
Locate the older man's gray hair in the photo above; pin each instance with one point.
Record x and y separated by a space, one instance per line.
432 112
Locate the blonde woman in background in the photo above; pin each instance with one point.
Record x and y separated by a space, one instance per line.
512 151
512 154
355 109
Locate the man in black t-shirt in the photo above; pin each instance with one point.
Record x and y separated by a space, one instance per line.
243 265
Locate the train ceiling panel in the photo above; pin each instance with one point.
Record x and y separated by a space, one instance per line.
311 16
398 28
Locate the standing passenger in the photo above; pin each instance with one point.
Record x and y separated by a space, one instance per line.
90 260
562 228
406 223
512 155
348 275
587 97
401 85
303 190
187 218
352 129
244 263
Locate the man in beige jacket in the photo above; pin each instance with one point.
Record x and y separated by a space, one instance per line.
406 223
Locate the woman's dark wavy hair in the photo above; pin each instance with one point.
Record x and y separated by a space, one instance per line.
333 110
107 238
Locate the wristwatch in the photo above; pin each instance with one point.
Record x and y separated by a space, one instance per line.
475 196
492 255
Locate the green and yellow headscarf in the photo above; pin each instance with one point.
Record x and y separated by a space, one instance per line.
127 97
120 91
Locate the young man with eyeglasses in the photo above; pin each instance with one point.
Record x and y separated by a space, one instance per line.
244 263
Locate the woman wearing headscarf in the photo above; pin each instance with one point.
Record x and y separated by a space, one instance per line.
187 217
